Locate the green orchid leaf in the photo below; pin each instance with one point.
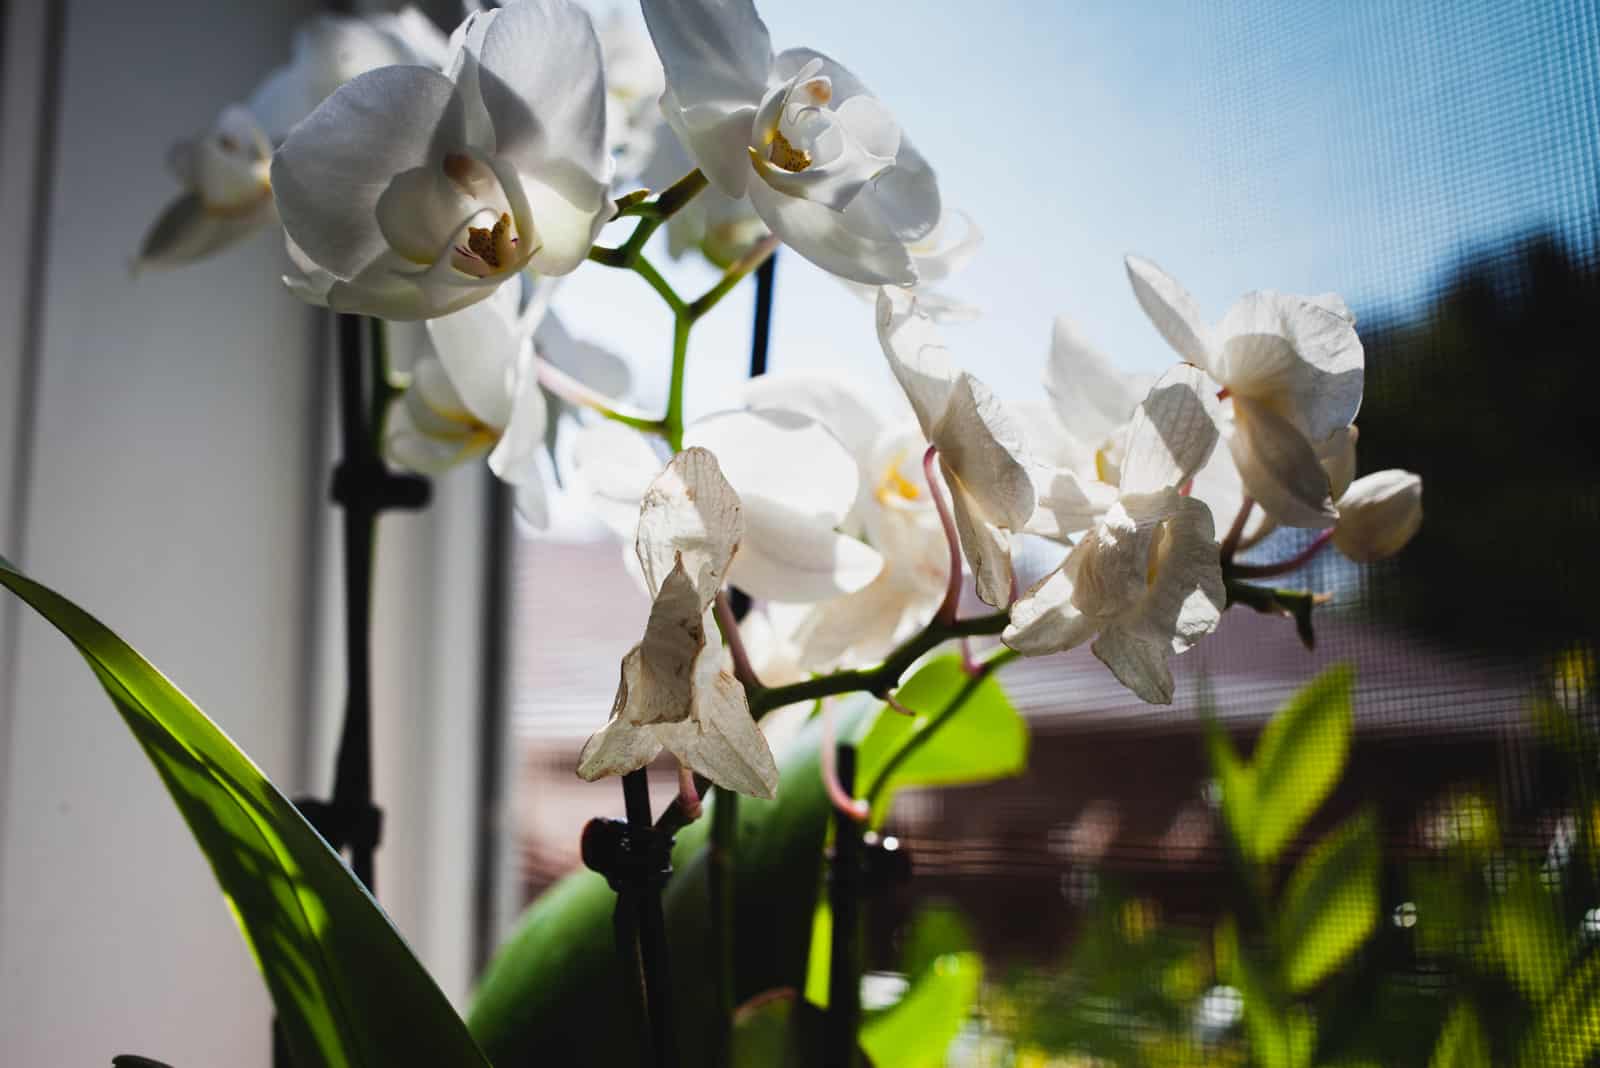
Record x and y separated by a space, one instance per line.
985 739
349 994
1461 1044
781 1030
1330 905
539 1000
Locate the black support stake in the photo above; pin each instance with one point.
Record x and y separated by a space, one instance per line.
845 873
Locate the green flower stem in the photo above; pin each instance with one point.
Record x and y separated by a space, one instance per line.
920 736
672 422
881 679
759 254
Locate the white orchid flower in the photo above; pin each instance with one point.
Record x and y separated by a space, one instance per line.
894 511
227 194
409 194
675 692
477 394
979 444
1146 581
1291 370
798 485
226 198
823 162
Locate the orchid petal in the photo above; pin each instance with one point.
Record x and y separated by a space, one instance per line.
1045 620
712 50
515 457
790 557
616 465
1138 665
566 220
1303 359
690 518
844 243
1338 455
478 347
917 356
1279 468
783 459
1173 432
1186 595
986 546
839 404
1091 397
335 166
542 81
721 740
980 443
1172 311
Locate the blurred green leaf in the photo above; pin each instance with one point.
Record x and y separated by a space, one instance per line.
986 739
1281 1035
347 990
1461 1042
1567 1031
917 1030
944 976
1298 760
779 1030
1526 937
935 931
1330 905
1237 783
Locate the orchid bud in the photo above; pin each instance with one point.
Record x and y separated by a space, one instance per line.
1378 514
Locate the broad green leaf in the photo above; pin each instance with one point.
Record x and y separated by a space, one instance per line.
1237 783
936 931
918 1029
1298 760
1567 1032
985 739
347 990
1281 1035
1461 1043
1525 936
1330 905
780 1030
538 1001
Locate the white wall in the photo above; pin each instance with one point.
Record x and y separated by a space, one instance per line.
173 487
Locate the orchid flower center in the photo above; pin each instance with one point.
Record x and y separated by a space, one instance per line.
893 487
785 155
803 119
484 250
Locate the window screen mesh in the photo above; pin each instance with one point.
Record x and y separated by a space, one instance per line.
1440 164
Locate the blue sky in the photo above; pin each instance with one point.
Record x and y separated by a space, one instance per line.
1357 147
